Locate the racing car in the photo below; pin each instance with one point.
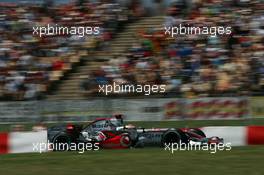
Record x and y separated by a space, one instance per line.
114 134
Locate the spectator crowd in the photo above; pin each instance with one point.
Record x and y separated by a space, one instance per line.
29 64
189 65
197 65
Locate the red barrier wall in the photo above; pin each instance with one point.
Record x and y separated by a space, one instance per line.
255 135
4 143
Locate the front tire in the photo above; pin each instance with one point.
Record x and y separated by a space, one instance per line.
170 137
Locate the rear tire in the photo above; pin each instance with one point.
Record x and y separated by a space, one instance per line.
61 143
126 140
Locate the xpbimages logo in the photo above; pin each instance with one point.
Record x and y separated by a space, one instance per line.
197 30
131 88
52 30
80 147
194 146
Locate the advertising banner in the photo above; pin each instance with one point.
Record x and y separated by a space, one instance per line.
216 108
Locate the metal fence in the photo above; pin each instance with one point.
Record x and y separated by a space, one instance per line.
154 109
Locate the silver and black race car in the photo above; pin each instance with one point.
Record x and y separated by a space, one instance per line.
113 133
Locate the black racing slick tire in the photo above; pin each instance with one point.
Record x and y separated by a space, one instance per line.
126 140
170 137
184 138
61 143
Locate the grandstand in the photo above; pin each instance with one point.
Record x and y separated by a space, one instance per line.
31 65
71 88
132 49
214 83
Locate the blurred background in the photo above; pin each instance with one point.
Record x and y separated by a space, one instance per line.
210 81
56 78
